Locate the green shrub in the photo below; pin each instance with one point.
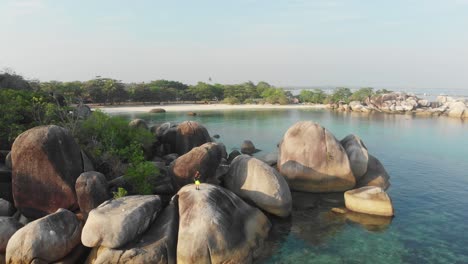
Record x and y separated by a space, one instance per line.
339 95
21 110
362 94
231 100
140 173
110 141
121 192
383 91
317 96
249 101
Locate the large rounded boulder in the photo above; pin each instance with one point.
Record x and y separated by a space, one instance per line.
91 190
376 175
47 161
313 160
256 181
157 245
216 226
45 240
357 154
369 200
190 134
166 137
138 123
118 221
205 159
457 109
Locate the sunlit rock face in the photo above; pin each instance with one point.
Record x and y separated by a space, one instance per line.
46 163
256 181
313 160
369 200
216 226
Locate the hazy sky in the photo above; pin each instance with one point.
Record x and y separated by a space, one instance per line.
402 43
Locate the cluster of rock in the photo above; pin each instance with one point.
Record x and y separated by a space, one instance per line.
61 211
313 160
408 103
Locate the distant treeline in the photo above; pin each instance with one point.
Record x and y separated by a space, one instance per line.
111 91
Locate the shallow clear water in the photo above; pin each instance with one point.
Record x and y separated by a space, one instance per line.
427 159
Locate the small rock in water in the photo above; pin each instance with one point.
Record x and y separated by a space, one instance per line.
369 200
248 147
339 210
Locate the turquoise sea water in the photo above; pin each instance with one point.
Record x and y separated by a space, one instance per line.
427 159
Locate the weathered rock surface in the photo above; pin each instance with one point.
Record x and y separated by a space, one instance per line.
6 208
233 155
457 109
45 240
376 175
357 154
157 245
256 181
190 134
77 255
47 162
356 106
205 159
313 160
91 190
270 158
222 228
248 147
8 162
8 227
166 137
87 163
118 221
138 123
82 111
369 200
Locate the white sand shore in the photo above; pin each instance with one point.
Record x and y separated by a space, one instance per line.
202 107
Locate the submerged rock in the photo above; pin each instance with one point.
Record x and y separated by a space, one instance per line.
157 245
45 240
357 154
256 181
190 134
119 221
222 228
305 200
313 160
47 161
369 200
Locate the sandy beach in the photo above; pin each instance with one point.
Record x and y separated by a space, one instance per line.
202 107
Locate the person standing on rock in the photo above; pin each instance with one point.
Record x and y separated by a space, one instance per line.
197 180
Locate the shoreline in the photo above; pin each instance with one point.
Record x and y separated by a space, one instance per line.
203 107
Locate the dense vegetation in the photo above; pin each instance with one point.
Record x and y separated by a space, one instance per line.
115 148
25 104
